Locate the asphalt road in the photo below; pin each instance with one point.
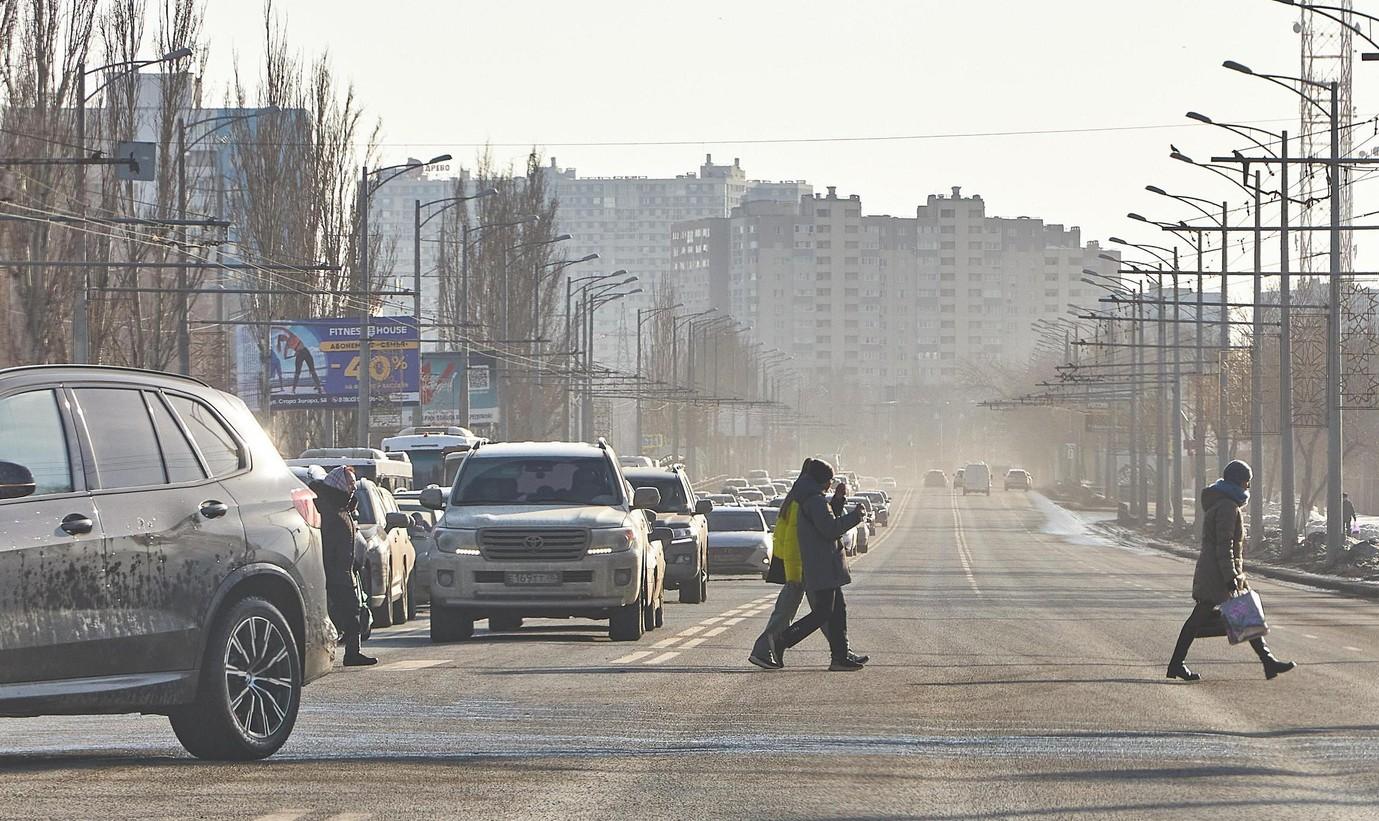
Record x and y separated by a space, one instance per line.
1015 674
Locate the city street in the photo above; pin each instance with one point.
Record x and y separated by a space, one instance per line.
1014 673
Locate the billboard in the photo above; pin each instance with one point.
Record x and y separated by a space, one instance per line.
442 379
315 362
483 389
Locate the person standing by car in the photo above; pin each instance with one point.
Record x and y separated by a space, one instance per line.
1220 571
825 570
336 501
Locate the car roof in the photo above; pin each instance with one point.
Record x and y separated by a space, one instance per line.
554 450
650 473
114 372
731 508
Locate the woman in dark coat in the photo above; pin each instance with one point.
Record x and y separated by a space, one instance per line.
335 500
825 569
1220 571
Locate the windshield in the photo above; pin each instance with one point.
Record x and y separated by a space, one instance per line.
771 514
736 520
427 467
534 481
673 499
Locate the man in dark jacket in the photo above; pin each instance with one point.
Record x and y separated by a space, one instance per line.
1220 571
335 500
825 569
1348 512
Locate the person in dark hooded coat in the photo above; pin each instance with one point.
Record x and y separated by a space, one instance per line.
336 502
1220 571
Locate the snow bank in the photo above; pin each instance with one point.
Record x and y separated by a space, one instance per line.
1068 525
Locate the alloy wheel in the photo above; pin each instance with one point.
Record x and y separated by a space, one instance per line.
258 677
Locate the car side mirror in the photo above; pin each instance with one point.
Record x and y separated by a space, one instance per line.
664 535
650 515
703 507
393 520
16 481
646 497
432 498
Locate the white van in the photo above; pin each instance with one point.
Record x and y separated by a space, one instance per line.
976 478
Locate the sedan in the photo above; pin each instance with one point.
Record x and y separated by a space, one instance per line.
935 478
739 540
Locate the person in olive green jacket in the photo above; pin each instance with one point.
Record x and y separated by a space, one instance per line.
1220 571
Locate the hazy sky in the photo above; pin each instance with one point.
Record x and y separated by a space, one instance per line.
736 79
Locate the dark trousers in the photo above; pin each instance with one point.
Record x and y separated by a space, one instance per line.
826 608
1205 621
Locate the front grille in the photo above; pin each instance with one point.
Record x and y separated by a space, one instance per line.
566 577
524 544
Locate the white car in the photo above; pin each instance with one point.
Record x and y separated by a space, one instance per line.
739 540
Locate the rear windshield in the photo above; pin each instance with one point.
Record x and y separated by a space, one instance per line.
498 480
738 520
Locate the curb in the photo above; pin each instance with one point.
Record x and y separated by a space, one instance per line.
1336 584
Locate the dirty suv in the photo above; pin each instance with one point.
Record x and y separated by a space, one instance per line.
544 530
687 554
156 556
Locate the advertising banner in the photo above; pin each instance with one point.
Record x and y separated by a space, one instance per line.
315 362
483 389
442 379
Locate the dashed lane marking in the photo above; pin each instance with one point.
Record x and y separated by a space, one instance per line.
731 622
714 620
283 815
964 554
1308 636
708 634
411 664
662 657
665 642
1354 649
631 657
689 631
692 643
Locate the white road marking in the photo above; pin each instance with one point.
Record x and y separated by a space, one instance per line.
692 643
689 631
1308 636
662 657
714 632
665 642
631 657
714 620
412 664
1354 649
731 622
349 816
964 555
283 815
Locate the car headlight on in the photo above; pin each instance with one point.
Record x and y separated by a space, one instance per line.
458 541
606 540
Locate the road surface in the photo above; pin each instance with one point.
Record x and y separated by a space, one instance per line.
1015 673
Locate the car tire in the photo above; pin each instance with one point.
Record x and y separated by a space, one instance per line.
504 623
450 624
626 623
212 727
692 592
383 614
661 612
411 595
403 606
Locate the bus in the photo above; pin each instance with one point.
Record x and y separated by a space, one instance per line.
368 463
428 449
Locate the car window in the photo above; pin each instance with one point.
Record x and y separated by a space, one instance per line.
178 456
673 498
736 520
122 438
31 435
519 480
366 510
218 447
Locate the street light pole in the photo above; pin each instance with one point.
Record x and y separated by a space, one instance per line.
1257 375
1223 431
361 433
1287 492
1335 522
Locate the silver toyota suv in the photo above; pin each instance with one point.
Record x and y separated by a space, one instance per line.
545 530
156 556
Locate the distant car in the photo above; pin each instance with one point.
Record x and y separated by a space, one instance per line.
782 488
389 557
421 528
868 527
935 478
735 484
1017 479
889 483
751 496
976 478
772 514
739 540
158 557
958 479
720 499
879 506
757 477
768 491
636 461
687 553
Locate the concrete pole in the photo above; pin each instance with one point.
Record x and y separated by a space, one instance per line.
365 354
1199 456
1335 523
417 417
1176 486
81 321
1288 497
1162 508
1223 419
1257 378
184 342
465 328
638 383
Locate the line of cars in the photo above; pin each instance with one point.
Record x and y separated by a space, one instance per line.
976 478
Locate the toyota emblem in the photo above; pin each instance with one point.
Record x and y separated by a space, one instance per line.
534 542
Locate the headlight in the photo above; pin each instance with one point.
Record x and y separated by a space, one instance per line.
460 542
611 540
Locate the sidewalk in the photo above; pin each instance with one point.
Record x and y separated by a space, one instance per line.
1104 528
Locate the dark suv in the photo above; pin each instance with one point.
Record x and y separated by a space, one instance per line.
156 556
687 555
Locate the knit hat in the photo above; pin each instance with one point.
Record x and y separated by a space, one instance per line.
1237 473
821 472
340 479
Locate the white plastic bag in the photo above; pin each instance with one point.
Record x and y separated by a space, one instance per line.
1244 615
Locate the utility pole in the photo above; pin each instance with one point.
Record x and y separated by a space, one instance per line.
1257 375
1223 431
1176 486
1335 522
81 320
417 412
184 343
362 416
1288 496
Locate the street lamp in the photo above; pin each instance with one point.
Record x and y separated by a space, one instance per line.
643 314
366 190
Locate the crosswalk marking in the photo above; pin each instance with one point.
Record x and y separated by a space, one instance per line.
282 815
714 620
731 622
662 657
665 642
689 631
631 657
692 643
714 632
412 664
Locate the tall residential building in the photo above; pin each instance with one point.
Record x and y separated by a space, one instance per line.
628 221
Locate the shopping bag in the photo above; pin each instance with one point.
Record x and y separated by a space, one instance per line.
1244 615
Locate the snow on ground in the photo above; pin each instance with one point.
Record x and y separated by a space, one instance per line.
1074 526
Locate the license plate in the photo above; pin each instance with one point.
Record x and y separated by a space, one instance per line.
525 579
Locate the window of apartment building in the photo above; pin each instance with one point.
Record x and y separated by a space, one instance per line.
974 292
849 309
1050 277
825 228
946 340
850 340
1050 260
824 243
849 260
947 229
946 261
823 260
975 245
947 213
850 229
947 245
974 261
946 323
946 309
822 275
823 292
852 243
1050 292
948 277
850 323
947 292
823 339
974 228
849 292
821 212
